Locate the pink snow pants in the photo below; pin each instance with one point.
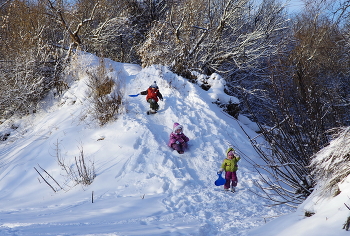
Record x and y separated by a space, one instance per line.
230 176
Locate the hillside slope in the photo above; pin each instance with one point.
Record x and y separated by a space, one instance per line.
142 187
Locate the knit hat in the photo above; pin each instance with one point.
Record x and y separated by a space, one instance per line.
230 153
176 126
230 149
154 85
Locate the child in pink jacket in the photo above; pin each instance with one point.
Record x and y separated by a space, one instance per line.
178 140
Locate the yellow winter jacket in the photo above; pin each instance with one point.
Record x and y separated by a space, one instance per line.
230 165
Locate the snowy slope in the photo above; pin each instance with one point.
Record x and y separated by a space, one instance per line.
142 187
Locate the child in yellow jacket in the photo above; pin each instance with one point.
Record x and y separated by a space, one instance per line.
230 167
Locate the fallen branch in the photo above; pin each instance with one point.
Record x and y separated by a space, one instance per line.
50 177
45 180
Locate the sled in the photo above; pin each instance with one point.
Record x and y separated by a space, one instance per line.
150 112
220 180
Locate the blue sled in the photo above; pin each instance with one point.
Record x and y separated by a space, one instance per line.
220 180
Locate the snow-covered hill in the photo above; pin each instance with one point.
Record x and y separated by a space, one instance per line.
142 187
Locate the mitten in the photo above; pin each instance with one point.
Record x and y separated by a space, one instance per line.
177 142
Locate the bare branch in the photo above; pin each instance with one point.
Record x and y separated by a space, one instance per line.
45 180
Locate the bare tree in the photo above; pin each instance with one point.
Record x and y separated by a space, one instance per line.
58 14
116 39
30 67
119 35
285 175
209 36
305 99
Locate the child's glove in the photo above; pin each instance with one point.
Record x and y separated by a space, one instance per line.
161 99
177 142
220 171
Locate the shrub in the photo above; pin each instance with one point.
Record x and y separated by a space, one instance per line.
82 172
107 96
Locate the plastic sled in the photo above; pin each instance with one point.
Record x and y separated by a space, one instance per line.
134 95
220 180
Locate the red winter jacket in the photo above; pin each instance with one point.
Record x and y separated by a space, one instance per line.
152 94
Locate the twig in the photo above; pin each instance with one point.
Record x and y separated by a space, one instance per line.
50 177
45 180
347 206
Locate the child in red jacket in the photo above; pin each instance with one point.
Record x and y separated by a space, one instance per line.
152 97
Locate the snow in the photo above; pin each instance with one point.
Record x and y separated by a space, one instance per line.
141 187
330 214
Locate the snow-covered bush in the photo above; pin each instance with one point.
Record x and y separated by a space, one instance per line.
217 90
116 39
25 82
332 164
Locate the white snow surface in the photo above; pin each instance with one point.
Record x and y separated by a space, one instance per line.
141 187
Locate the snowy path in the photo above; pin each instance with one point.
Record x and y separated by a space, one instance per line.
142 186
